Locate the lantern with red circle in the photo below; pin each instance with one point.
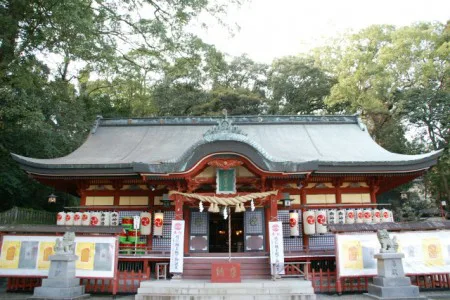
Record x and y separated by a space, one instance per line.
350 216
359 216
309 222
61 218
77 218
293 223
86 218
146 225
321 221
376 215
158 223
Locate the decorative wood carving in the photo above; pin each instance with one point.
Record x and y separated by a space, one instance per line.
225 163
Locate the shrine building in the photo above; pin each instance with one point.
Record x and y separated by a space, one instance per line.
226 179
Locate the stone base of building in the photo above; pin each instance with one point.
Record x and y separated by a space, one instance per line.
284 289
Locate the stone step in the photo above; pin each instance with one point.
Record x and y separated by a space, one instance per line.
227 297
247 289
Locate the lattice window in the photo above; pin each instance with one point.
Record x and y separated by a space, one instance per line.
321 241
253 222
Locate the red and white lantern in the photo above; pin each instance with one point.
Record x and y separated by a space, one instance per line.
341 216
69 218
321 221
61 218
350 216
385 216
309 222
376 215
359 216
77 218
96 218
146 223
158 223
86 218
332 216
367 216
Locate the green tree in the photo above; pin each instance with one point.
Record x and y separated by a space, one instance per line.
297 86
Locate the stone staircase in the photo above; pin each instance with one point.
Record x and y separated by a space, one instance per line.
283 289
251 267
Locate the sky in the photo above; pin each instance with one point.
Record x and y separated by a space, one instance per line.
276 28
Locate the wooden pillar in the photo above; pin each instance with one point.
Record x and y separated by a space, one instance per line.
374 187
273 215
187 229
338 191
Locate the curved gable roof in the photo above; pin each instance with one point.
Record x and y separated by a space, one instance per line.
275 143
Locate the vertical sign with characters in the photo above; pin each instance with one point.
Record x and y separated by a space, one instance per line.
276 247
176 247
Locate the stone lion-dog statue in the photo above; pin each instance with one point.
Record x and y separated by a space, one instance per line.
66 245
388 245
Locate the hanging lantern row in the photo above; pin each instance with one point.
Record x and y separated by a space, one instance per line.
315 221
87 218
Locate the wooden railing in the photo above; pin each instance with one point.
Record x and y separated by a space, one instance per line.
20 215
290 269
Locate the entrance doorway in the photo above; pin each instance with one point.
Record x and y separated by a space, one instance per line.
218 232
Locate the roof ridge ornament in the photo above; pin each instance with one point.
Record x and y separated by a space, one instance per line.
224 130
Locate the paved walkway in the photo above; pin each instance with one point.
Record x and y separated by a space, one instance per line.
438 295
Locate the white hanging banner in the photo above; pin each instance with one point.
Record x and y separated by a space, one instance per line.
293 223
276 248
158 224
146 226
176 246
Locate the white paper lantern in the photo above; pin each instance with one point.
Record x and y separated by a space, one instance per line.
146 223
341 216
359 216
86 218
367 215
293 223
69 218
77 218
158 223
332 216
309 222
376 215
385 216
61 218
350 216
321 221
105 218
114 218
96 218
391 216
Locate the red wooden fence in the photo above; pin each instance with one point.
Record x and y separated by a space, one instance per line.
322 282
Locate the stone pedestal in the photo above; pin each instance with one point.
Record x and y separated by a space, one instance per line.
391 282
61 282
